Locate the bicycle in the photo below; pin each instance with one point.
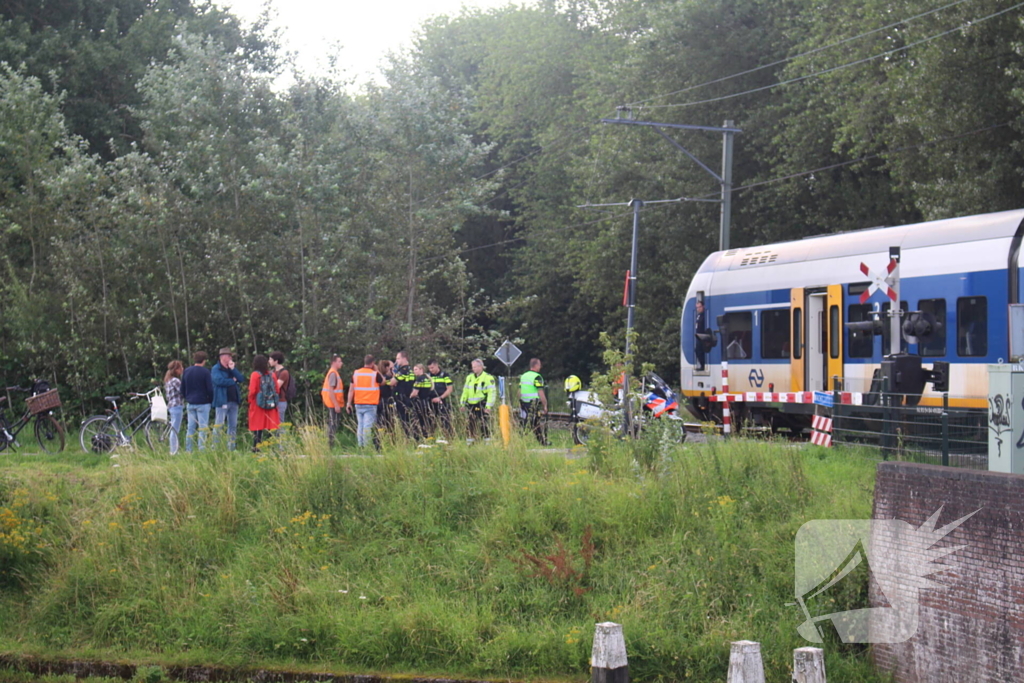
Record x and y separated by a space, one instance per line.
39 408
104 433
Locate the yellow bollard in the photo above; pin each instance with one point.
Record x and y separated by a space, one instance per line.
505 422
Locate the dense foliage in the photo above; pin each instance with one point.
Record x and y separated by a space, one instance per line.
159 195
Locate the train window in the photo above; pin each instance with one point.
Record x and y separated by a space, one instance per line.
857 288
739 327
937 345
833 331
972 326
798 336
887 328
775 334
859 344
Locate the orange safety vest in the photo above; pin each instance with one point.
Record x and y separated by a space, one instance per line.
338 399
365 387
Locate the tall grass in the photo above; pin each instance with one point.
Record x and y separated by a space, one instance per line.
456 560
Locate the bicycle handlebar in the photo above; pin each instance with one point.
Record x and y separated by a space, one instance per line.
18 389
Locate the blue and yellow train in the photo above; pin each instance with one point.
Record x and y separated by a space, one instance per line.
784 317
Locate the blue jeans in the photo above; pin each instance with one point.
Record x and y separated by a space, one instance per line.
281 407
366 417
230 413
198 420
174 417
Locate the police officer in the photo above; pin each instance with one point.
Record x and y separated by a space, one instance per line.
533 400
401 384
478 397
443 388
422 414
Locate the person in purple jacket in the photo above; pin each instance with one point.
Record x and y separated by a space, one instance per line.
197 389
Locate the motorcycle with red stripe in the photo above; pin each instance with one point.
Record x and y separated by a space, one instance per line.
660 405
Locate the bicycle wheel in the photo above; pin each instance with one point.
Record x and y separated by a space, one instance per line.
5 431
98 435
157 434
49 434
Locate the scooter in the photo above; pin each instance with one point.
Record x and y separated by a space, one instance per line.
658 400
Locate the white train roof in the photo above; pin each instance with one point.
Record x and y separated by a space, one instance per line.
952 231
969 244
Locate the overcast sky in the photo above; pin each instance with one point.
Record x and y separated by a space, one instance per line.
366 29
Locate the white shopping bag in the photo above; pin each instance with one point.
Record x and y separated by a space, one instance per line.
158 408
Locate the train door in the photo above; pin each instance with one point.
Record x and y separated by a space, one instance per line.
834 337
817 341
796 340
817 338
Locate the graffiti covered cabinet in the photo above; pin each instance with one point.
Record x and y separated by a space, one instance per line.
1006 418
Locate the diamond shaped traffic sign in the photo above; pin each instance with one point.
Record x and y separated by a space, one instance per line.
507 353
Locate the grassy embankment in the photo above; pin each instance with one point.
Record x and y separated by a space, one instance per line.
462 561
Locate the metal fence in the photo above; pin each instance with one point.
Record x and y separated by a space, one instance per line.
940 435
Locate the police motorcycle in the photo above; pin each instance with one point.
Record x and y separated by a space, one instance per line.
658 402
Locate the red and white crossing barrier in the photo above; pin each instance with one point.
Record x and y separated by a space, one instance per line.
821 430
846 398
726 413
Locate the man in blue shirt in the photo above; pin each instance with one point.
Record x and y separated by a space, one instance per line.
197 390
226 396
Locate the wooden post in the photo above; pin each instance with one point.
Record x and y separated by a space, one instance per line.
745 663
608 657
808 665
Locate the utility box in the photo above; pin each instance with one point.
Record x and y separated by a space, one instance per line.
1006 418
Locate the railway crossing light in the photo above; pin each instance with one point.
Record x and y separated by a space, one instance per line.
921 327
865 328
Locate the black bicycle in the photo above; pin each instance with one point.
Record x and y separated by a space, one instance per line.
104 433
39 410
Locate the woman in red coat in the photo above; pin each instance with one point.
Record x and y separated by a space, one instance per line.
261 419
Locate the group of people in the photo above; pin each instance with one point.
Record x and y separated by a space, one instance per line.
270 388
415 398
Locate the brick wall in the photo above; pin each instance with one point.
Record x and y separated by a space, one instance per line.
973 629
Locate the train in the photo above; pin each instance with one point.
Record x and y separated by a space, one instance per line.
814 315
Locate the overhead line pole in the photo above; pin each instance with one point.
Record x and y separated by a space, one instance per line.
728 131
631 281
725 180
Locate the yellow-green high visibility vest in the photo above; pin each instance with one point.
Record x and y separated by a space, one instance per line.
530 385
479 389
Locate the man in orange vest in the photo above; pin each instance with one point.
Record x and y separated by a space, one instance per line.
333 395
364 394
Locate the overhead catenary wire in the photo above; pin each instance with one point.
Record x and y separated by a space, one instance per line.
871 157
712 196
523 238
823 72
805 77
797 56
562 142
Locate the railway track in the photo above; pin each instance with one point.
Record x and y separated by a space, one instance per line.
565 420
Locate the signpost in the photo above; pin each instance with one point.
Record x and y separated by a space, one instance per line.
507 353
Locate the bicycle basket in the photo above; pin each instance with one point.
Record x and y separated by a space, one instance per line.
41 403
